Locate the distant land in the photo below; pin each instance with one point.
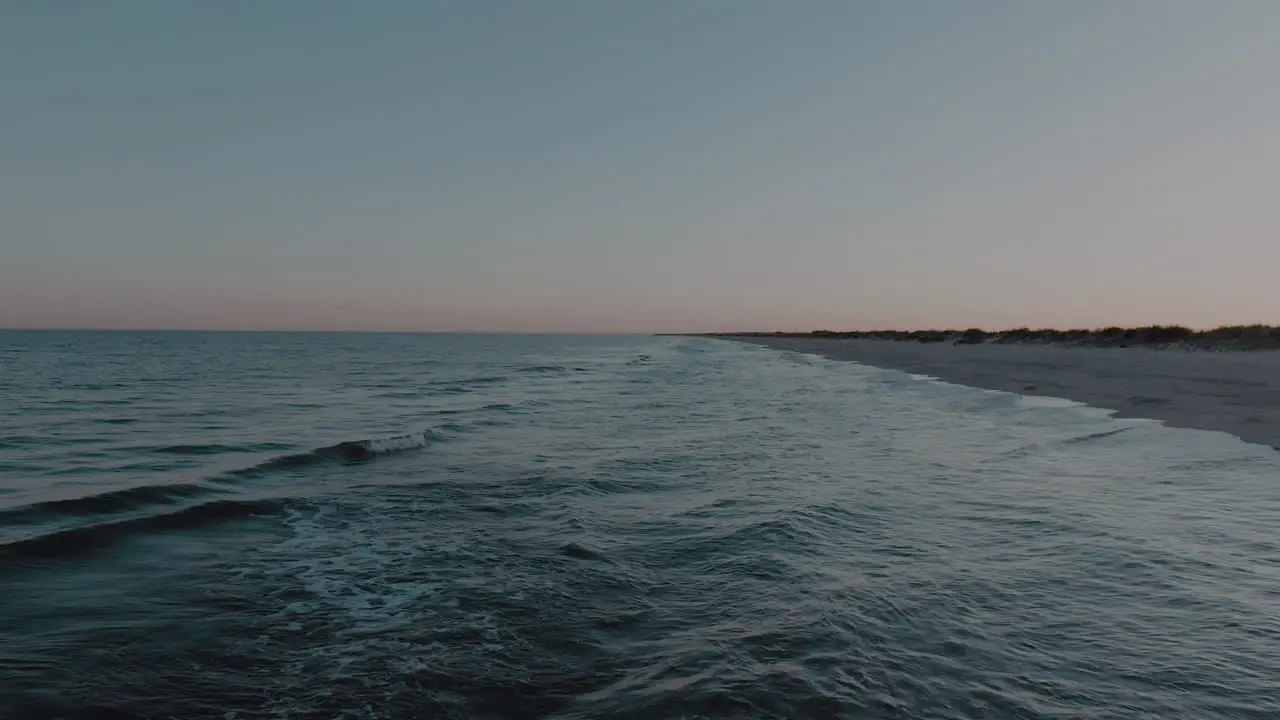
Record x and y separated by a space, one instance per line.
1222 379
1231 337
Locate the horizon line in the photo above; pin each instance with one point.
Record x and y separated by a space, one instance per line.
1055 328
318 331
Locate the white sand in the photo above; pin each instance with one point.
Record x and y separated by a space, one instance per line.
1236 392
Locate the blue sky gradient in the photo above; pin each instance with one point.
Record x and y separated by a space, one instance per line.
601 165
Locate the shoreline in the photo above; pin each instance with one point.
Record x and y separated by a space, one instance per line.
1231 391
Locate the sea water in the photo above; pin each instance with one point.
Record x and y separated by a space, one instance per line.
246 525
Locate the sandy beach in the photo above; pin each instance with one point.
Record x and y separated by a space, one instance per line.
1236 392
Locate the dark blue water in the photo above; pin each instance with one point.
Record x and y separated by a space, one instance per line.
379 526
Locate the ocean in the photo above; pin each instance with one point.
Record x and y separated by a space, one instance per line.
259 525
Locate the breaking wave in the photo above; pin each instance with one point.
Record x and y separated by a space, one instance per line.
349 451
49 528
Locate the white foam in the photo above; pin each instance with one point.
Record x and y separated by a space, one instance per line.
1034 401
411 441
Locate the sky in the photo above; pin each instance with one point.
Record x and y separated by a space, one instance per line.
656 166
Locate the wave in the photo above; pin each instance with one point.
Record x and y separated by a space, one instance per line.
15 441
89 538
477 380
152 507
544 369
350 451
116 501
581 552
410 441
1095 436
208 449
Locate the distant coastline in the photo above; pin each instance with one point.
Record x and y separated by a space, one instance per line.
1225 380
1232 337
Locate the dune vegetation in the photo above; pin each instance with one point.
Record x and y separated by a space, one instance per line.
1233 337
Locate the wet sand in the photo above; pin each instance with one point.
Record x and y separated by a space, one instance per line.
1236 392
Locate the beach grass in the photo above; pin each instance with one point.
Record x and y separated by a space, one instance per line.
1230 337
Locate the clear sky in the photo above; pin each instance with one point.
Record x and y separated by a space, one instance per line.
661 165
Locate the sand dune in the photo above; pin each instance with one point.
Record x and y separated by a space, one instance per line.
1236 392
